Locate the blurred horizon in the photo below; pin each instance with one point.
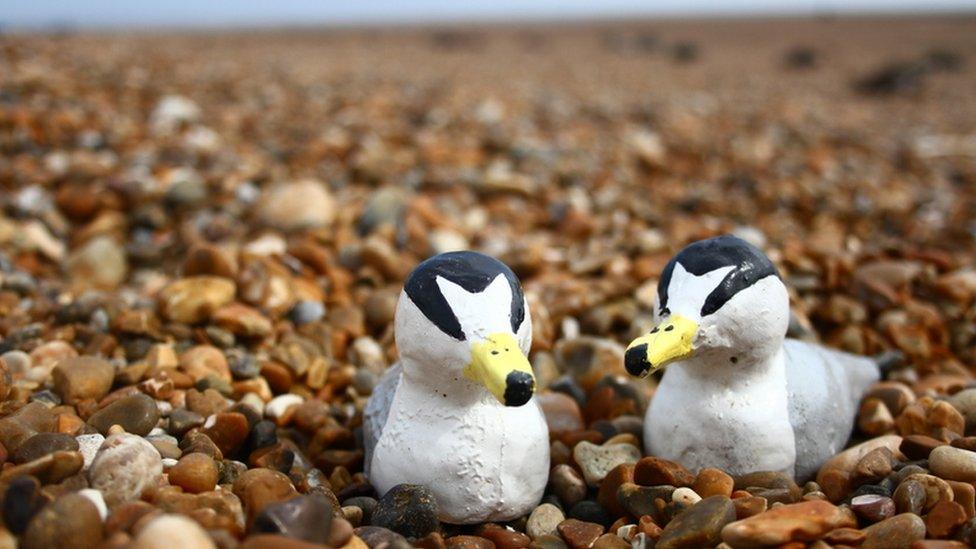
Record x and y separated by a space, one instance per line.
112 14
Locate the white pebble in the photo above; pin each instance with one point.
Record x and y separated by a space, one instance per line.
96 497
279 405
124 467
169 462
686 496
88 445
169 531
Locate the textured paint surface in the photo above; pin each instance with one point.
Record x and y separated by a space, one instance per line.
748 399
427 423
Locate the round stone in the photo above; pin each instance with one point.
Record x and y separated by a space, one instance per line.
71 521
407 509
81 378
953 463
124 467
543 521
194 473
172 531
137 414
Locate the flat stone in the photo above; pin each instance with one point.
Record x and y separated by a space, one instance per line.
699 525
49 469
597 461
654 471
543 521
43 444
579 534
919 446
562 412
872 507
297 205
79 378
806 521
193 299
953 463
640 500
944 519
137 414
898 532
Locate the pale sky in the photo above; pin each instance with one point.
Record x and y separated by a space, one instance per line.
229 13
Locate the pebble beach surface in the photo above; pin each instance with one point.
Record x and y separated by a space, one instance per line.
203 237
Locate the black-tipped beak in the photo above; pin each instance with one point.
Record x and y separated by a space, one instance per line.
519 387
635 360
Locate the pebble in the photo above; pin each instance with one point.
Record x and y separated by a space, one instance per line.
834 476
953 463
504 538
597 461
80 378
22 499
97 499
257 488
898 532
137 414
407 509
194 473
71 521
607 493
562 412
278 408
171 531
543 521
193 299
202 361
700 525
308 518
579 534
88 445
377 536
306 312
965 402
43 444
805 521
713 482
124 467
26 422
653 471
873 508
944 519
297 205
567 484
99 264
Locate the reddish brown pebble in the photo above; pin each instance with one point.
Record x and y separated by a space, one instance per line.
607 494
194 473
944 518
713 482
653 471
806 521
579 534
918 446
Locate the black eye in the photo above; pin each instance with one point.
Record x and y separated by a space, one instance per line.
669 328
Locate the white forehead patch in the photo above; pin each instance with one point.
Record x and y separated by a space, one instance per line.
687 292
481 313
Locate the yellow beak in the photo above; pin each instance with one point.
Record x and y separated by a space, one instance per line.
668 342
499 365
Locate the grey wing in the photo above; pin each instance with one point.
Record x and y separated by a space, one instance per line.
376 411
825 389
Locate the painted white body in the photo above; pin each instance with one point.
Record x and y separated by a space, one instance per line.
749 399
426 423
483 461
789 414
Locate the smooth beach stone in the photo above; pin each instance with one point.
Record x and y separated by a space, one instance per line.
699 525
407 509
49 469
504 538
171 532
834 476
653 471
567 484
260 487
607 493
713 482
953 463
806 521
308 518
124 467
873 508
579 534
21 501
191 300
639 500
81 378
596 461
137 414
195 473
26 422
944 519
88 445
375 536
72 521
43 444
543 521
